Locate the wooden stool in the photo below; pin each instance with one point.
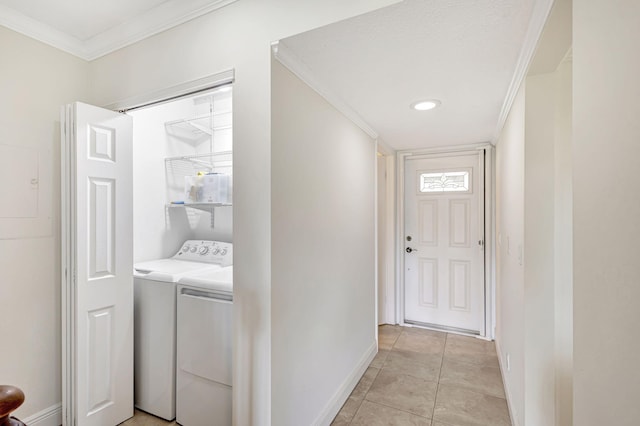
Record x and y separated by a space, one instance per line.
10 399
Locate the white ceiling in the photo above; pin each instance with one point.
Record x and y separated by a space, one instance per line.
82 19
469 54
92 28
464 53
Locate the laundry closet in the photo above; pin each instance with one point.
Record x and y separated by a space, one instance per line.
147 260
183 254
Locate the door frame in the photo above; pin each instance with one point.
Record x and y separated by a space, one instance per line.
488 327
386 254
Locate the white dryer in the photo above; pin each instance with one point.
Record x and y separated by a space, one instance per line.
204 350
155 320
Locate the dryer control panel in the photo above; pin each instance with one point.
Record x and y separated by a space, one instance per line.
216 252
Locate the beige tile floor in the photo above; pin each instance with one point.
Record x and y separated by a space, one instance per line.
419 377
423 377
140 418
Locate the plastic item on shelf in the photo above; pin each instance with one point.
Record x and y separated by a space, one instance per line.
215 188
209 188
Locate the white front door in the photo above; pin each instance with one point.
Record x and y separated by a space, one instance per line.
97 266
444 241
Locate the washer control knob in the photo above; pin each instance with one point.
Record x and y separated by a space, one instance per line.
194 249
185 248
223 252
216 251
203 250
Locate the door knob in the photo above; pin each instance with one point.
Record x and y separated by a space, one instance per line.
409 250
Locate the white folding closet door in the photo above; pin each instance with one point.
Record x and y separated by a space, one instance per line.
97 266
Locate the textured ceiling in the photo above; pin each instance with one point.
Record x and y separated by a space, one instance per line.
461 52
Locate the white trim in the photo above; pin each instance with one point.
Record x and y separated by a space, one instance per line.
445 150
390 240
376 241
172 92
383 148
482 231
334 405
534 31
400 160
67 277
489 243
161 18
488 324
509 398
166 16
287 58
22 24
387 316
51 416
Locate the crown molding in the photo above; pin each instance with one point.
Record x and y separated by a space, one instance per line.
286 57
541 12
22 24
161 18
167 15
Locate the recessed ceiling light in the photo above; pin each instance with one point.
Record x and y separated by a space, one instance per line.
425 105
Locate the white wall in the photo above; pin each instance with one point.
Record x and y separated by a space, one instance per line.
36 80
510 324
534 291
606 209
563 246
548 248
535 283
539 211
237 36
323 257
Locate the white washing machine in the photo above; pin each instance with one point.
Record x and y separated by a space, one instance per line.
155 320
204 349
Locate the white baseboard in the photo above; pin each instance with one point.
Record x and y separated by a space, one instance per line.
503 372
51 416
335 403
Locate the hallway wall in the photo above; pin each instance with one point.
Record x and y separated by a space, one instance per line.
534 251
606 212
510 320
539 211
548 248
323 253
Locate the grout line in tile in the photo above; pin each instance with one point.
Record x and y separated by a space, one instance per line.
369 388
462 361
357 409
396 408
439 376
356 413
